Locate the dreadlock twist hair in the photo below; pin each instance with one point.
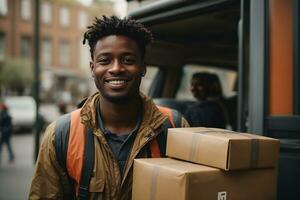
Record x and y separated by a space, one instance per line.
114 26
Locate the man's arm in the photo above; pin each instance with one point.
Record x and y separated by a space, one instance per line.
48 179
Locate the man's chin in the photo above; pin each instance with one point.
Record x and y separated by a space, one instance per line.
120 99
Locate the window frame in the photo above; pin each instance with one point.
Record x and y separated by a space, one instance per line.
25 10
82 19
3 7
43 42
29 40
3 36
64 12
47 6
62 55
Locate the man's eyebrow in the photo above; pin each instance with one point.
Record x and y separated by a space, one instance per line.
129 54
103 54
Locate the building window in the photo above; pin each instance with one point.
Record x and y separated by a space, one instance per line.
46 12
25 9
82 20
2 46
64 16
64 53
3 7
25 46
83 55
46 52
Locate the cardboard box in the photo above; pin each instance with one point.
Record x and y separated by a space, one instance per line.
170 179
222 148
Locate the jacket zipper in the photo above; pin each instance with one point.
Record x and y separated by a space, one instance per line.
108 149
150 137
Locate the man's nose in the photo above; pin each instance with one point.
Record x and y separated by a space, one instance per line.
117 67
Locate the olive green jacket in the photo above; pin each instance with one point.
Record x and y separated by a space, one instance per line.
107 183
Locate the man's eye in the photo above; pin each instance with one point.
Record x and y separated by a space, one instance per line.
103 61
129 61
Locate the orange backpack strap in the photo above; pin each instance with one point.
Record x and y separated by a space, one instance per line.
158 144
75 152
168 112
74 145
155 150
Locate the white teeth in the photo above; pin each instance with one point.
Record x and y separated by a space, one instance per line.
116 82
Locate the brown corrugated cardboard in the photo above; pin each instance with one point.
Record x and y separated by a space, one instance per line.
222 148
170 179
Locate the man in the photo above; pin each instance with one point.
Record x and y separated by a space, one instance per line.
6 129
123 121
207 112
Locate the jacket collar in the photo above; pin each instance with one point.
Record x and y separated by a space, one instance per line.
152 117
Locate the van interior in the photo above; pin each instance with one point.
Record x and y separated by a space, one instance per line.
214 36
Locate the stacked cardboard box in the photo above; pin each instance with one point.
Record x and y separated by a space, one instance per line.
215 164
222 148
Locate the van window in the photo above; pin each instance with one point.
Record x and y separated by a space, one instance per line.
148 79
227 79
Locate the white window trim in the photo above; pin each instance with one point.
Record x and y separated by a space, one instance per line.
3 7
46 12
64 16
25 9
46 52
82 19
64 51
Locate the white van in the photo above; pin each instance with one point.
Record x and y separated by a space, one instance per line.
22 110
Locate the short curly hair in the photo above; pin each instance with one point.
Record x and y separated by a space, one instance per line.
115 26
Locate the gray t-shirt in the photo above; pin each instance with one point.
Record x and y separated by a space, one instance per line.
120 144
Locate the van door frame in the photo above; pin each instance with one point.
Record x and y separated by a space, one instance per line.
258 62
296 58
243 67
286 126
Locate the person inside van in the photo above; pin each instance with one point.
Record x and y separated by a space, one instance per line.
228 104
207 112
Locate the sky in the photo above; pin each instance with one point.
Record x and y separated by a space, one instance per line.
120 6
85 2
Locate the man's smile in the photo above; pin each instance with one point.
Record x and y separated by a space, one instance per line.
117 83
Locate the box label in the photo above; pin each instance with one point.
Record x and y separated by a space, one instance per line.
222 195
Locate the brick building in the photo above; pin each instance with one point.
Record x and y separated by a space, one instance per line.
64 60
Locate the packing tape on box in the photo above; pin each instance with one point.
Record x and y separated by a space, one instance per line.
196 141
194 147
254 145
153 185
254 150
155 172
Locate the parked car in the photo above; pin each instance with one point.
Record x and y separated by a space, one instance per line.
22 110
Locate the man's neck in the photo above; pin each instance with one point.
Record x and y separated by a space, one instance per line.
121 117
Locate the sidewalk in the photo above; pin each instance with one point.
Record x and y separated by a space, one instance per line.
15 178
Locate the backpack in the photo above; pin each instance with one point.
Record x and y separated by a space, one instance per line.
79 162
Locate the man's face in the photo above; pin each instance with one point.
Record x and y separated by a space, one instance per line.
117 68
198 89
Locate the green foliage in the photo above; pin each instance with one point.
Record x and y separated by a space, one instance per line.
16 74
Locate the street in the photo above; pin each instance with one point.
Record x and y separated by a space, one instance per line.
15 177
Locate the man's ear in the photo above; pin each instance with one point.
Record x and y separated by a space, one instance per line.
92 68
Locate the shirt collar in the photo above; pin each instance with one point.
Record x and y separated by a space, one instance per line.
105 131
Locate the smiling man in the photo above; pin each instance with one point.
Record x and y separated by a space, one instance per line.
89 153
